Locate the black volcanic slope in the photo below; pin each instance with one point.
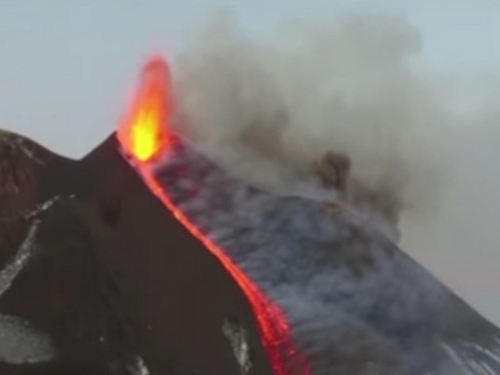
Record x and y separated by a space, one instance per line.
98 277
112 278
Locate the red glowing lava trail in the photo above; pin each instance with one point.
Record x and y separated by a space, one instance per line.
144 136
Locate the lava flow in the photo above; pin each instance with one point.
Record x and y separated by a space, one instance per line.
144 136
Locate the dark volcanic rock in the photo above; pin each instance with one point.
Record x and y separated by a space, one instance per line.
111 277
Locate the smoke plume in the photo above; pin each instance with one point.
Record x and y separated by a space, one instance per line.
269 110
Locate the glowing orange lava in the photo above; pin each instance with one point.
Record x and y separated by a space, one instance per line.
274 326
143 131
147 138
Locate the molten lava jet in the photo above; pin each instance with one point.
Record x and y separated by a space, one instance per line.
142 131
145 136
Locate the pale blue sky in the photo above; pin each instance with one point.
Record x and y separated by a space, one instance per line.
66 65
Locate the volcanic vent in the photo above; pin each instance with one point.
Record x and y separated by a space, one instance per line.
146 257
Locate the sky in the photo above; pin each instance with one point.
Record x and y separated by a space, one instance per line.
67 67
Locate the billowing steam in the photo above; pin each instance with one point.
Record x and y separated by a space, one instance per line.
270 110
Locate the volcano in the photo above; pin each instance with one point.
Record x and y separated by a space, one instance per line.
113 274
146 257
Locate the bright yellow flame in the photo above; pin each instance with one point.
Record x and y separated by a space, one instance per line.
144 132
145 135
